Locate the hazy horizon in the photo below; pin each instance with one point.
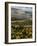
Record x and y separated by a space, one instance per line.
21 12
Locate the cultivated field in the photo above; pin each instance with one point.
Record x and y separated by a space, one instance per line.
21 29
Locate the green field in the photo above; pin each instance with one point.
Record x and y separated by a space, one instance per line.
21 29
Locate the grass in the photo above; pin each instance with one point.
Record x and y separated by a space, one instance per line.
18 31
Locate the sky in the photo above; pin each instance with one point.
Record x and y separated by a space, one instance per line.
23 8
21 12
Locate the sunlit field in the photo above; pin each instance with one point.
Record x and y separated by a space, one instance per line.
21 30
